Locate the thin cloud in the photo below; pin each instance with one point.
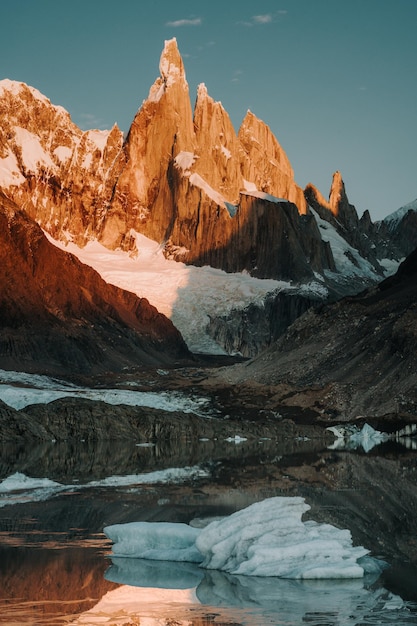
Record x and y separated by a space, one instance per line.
197 21
88 121
236 76
262 19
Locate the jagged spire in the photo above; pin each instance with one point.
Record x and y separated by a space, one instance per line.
171 70
171 66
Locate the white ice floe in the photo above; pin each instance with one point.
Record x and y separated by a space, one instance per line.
34 389
265 539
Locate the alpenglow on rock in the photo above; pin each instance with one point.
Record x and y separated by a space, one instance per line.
186 179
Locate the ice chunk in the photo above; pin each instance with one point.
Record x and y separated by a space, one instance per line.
160 541
270 539
267 538
349 437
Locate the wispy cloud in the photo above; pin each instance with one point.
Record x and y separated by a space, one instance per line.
262 19
197 21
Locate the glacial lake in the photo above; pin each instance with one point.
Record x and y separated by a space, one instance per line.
57 566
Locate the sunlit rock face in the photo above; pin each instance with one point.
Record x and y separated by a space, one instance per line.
218 148
185 179
162 128
62 176
265 164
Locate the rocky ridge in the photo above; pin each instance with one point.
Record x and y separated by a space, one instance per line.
186 179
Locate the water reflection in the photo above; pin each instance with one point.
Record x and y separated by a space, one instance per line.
257 600
54 566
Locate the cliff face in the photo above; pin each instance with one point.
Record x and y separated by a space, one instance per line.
185 173
59 317
265 165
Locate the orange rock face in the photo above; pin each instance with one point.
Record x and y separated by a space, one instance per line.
185 173
62 176
183 178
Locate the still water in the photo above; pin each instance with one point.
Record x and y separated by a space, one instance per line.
56 565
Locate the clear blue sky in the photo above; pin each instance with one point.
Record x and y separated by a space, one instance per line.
336 80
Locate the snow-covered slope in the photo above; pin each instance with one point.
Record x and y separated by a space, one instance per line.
395 218
188 295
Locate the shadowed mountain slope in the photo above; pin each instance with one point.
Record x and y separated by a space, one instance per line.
58 316
357 356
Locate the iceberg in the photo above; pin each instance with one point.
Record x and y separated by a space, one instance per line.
265 539
350 437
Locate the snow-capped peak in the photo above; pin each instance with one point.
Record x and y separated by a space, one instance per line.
19 89
394 218
170 65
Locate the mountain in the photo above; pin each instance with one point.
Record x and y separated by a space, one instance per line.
207 195
401 227
350 358
60 317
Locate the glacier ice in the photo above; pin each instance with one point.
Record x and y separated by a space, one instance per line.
267 538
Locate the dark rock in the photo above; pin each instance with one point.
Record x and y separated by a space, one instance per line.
250 331
354 357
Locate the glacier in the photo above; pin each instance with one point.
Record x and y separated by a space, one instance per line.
188 295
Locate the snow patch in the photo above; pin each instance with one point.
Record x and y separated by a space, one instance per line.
249 186
63 153
33 154
263 196
390 266
342 251
226 152
184 161
98 138
395 218
9 171
188 295
198 181
42 390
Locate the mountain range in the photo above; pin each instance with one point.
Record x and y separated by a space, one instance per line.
183 178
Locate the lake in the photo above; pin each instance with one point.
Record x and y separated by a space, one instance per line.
56 565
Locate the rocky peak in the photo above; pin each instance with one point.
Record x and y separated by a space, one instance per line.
171 70
265 163
337 196
218 148
162 128
184 178
61 174
337 193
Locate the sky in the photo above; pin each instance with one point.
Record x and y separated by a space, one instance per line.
335 80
